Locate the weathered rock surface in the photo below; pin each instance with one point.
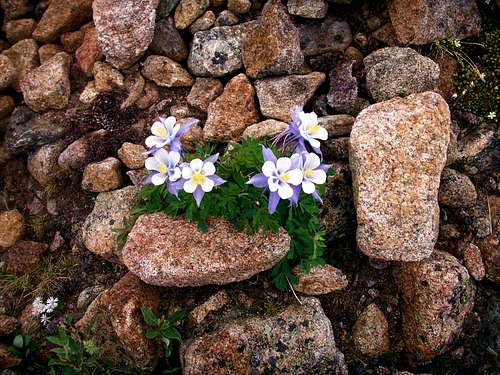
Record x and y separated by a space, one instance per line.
239 6
166 251
106 77
217 52
203 92
261 345
16 8
24 57
272 46
371 332
110 210
319 280
8 325
456 189
343 93
166 72
395 71
337 125
118 311
329 35
7 71
398 150
42 164
425 21
23 257
48 86
11 227
214 303
19 29
437 295
205 22
102 176
266 129
308 8
473 261
279 96
188 11
232 112
7 105
89 51
125 28
131 155
167 41
61 16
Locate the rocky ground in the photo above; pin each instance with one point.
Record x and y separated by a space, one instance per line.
411 212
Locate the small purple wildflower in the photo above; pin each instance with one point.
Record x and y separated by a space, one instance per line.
199 177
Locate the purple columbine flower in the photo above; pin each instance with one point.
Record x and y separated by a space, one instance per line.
304 130
167 133
164 167
279 176
199 177
314 173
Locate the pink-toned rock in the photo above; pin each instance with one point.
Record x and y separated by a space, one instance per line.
73 39
279 96
106 77
61 16
131 155
425 21
437 296
43 163
371 333
490 246
7 71
232 112
17 30
109 211
266 129
319 280
23 257
76 154
214 303
203 92
125 28
102 176
24 57
167 251
89 51
474 262
398 150
166 72
48 51
48 86
272 47
188 11
123 320
11 227
8 325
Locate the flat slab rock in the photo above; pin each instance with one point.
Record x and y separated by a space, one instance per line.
398 150
166 251
296 340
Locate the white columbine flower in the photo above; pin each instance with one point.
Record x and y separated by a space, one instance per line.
51 304
311 130
163 164
196 174
280 176
164 132
313 173
492 115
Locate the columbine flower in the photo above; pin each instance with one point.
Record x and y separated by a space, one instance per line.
305 130
38 307
314 173
278 175
44 319
164 167
200 178
167 133
492 115
51 304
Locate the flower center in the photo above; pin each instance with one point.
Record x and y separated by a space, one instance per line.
313 128
162 132
308 173
162 168
284 177
197 178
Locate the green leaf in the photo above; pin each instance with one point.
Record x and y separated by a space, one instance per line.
172 333
177 316
18 341
151 333
149 316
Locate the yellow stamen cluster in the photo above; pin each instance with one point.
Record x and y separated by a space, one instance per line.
198 178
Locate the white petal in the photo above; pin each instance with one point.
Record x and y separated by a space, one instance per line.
208 168
174 157
174 131
187 172
162 156
295 177
159 179
153 140
273 184
308 118
321 133
269 168
283 165
152 164
196 165
308 187
207 185
285 191
314 143
169 121
159 129
312 161
189 186
175 174
318 177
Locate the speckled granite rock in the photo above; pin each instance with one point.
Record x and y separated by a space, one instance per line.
437 295
120 317
167 41
266 129
319 280
109 211
266 344
328 35
188 11
42 164
102 176
272 46
398 150
371 332
166 72
279 96
232 112
203 92
166 251
24 57
23 257
308 8
11 227
474 262
8 71
125 28
456 189
424 21
395 71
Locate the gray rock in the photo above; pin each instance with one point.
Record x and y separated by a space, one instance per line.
43 163
343 93
330 35
456 189
226 18
371 332
279 96
308 8
167 41
395 71
217 52
88 295
255 344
